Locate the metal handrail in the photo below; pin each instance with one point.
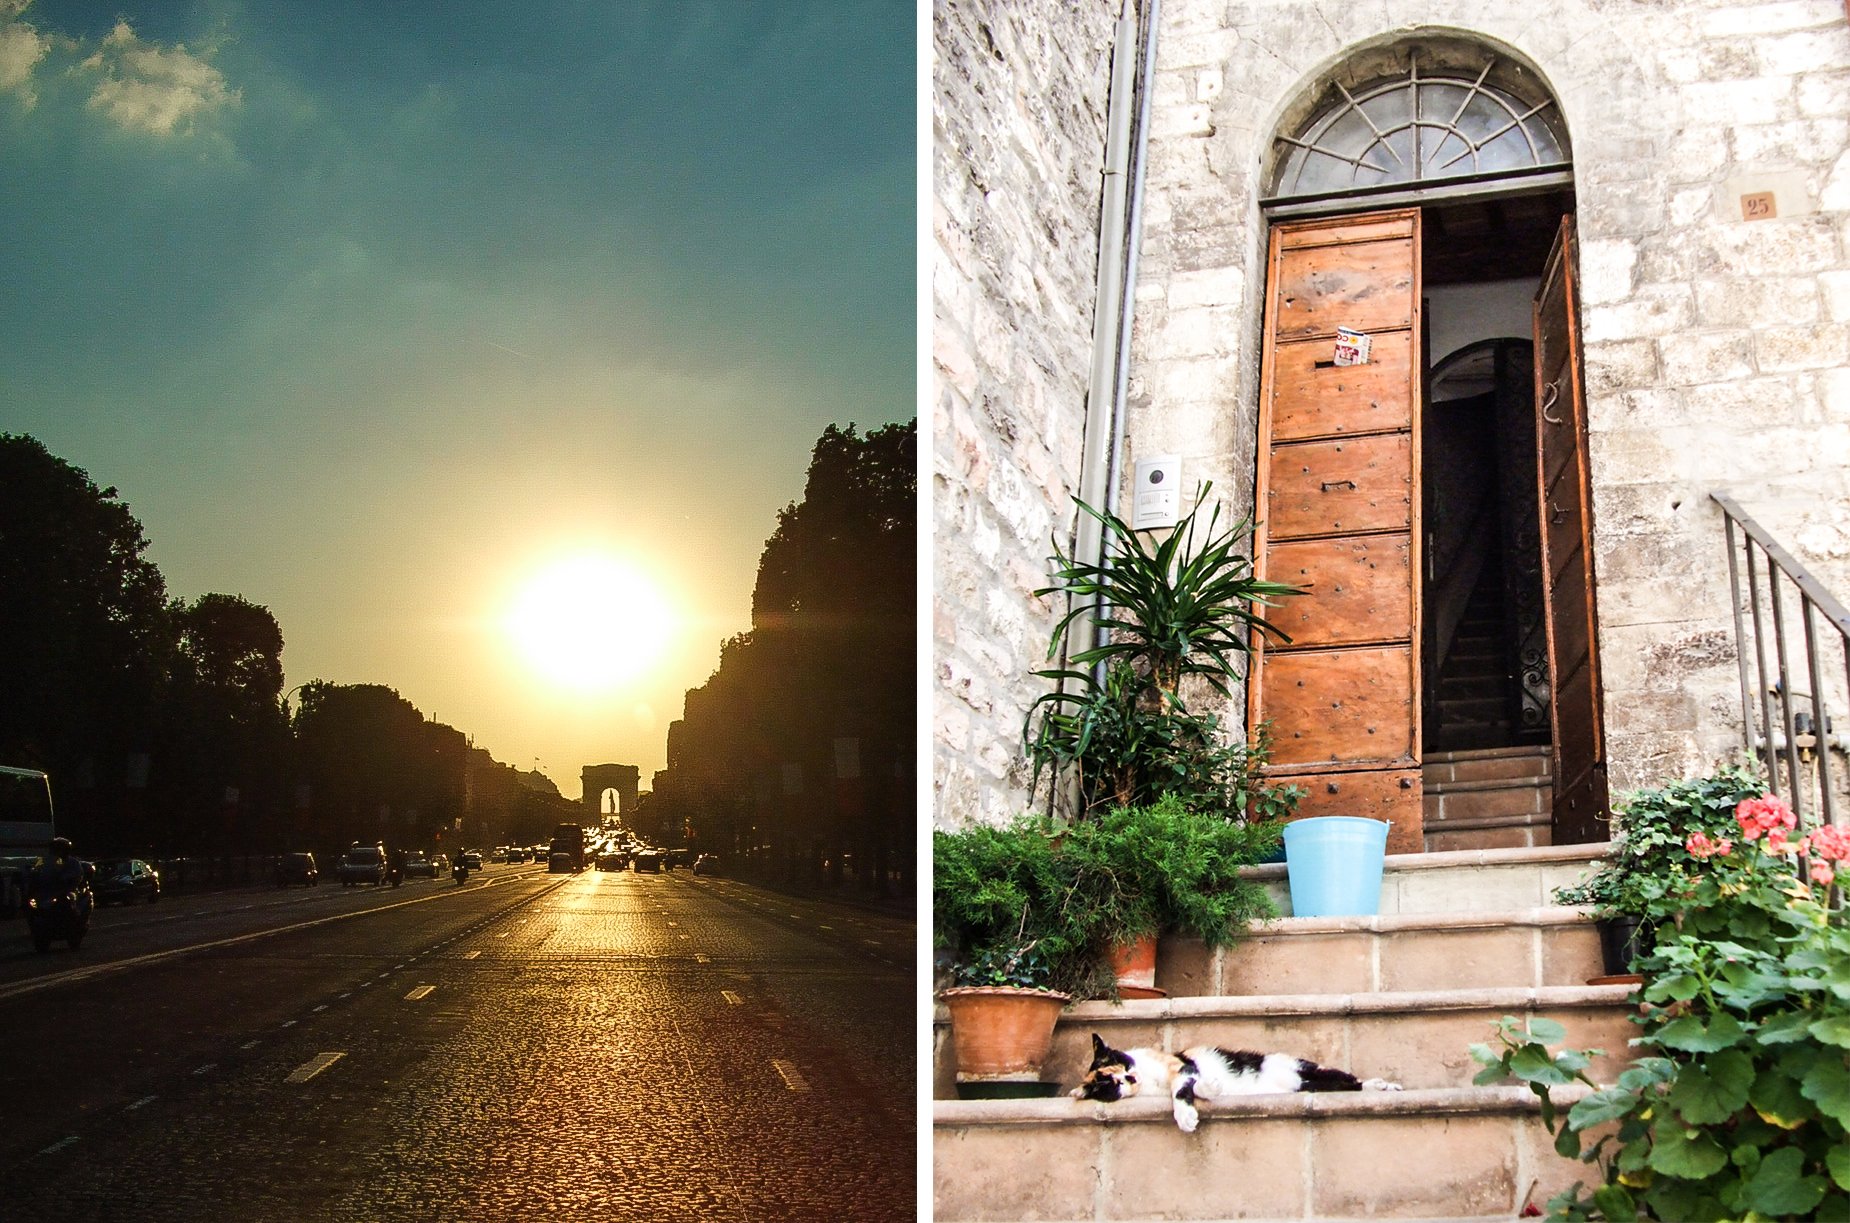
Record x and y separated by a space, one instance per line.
1756 547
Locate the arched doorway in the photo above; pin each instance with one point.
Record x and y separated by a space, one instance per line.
1420 237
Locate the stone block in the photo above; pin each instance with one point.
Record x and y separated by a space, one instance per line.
989 1172
1836 289
1299 964
1606 270
1780 349
1469 958
1225 286
1781 301
1799 52
1786 246
1825 94
1762 100
1794 142
1467 1167
1620 365
1692 358
1155 1175
1753 20
1655 310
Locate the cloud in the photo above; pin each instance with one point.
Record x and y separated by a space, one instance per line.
21 48
149 88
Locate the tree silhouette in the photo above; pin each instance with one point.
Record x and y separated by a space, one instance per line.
88 636
799 749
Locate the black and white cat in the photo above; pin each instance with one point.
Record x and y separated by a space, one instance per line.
1207 1073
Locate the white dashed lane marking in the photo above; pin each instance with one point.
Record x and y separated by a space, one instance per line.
729 996
250 1044
207 1068
793 1078
57 1146
312 1067
422 991
141 1103
470 955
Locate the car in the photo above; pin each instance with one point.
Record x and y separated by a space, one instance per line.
472 858
124 880
297 868
706 864
362 864
611 860
649 860
419 864
440 864
560 863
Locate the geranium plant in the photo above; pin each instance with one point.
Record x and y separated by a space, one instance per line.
1739 1105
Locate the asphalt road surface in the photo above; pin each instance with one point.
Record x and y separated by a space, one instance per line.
530 1046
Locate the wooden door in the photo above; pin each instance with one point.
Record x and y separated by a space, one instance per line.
1338 472
1580 796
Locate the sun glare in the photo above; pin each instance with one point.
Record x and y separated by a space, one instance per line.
589 623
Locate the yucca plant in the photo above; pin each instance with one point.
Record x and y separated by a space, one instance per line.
1183 605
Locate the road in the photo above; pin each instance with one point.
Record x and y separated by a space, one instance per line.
530 1046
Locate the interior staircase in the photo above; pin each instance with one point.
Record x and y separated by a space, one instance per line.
1464 937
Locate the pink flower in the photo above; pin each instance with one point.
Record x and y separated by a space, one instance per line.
1831 843
1767 812
1700 846
1822 873
1776 840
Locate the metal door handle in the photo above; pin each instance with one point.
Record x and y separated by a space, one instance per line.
1550 394
1559 516
1329 484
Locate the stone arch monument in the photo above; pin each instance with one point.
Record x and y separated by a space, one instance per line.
597 778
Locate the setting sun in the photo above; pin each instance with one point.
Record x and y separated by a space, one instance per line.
589 622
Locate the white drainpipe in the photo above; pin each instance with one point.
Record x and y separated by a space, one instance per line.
1112 315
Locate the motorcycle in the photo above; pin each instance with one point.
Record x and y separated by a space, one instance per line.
460 872
394 875
58 910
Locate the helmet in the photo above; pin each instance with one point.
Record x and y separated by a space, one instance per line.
60 847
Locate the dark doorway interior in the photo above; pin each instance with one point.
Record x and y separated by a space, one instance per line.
1484 646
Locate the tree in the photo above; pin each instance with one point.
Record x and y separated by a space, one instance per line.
87 633
223 731
819 694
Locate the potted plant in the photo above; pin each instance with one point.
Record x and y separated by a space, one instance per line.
1179 608
1650 859
1015 946
1139 871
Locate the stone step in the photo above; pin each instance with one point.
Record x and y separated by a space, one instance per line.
1486 764
1452 1153
1419 1039
1484 949
1461 881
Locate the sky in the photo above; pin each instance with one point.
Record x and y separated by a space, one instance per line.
373 313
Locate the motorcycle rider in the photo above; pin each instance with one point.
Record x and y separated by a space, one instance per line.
60 870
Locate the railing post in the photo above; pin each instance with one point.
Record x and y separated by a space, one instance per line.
1797 797
1819 731
1740 637
1760 670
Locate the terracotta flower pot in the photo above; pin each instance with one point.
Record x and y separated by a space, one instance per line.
1134 963
1001 1032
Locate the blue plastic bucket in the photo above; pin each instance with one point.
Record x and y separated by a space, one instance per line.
1334 863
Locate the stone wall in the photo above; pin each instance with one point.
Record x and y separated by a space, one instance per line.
1715 348
1018 116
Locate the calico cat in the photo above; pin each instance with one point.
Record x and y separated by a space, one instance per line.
1207 1073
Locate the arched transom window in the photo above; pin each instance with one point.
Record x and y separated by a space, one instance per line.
1421 115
